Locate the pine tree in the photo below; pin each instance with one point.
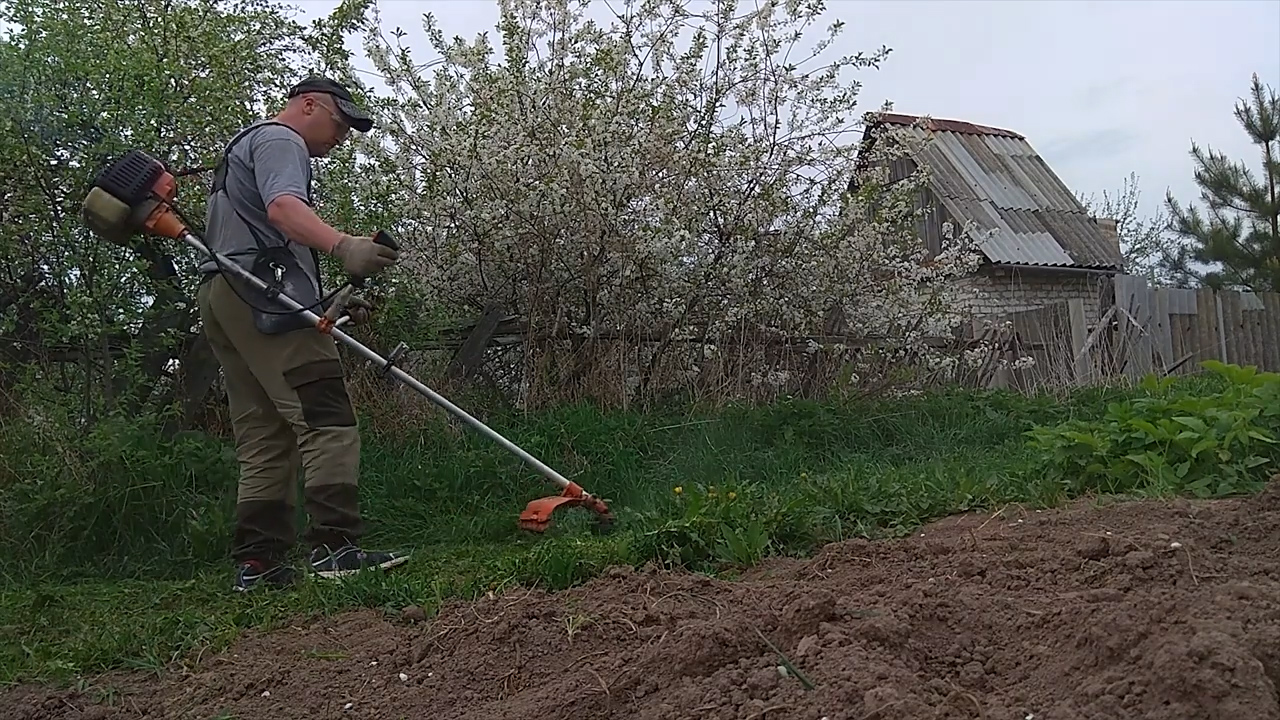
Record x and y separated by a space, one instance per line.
1238 235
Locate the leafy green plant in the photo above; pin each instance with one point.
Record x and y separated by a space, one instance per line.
731 524
1172 441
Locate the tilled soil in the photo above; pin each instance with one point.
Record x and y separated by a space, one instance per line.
1159 611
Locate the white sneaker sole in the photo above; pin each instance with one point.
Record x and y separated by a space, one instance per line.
335 574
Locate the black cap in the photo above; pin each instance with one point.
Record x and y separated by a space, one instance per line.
355 116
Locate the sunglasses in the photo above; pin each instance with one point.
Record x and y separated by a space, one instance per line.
343 128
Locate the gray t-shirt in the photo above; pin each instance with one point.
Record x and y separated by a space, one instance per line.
268 161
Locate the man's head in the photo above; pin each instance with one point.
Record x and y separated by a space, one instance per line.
323 112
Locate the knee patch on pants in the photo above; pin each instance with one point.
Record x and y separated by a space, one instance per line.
322 392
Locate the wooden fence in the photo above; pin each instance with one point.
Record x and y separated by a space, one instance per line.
1137 330
1066 350
1172 330
1145 330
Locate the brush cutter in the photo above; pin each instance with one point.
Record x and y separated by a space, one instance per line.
135 196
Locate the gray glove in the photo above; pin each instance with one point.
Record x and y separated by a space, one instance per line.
362 257
359 309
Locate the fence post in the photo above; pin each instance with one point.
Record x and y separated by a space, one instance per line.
1161 332
470 356
1079 336
1271 330
1206 325
1133 310
1222 328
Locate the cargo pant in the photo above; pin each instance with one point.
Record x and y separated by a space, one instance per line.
289 410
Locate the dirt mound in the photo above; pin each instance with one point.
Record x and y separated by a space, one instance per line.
1155 610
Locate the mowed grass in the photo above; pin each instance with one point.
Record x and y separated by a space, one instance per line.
116 542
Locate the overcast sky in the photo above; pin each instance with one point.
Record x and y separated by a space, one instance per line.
1100 89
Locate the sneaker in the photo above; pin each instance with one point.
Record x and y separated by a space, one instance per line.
253 573
349 560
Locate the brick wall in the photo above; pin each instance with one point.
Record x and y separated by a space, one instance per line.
997 292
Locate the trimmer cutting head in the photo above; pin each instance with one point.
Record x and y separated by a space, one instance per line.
537 514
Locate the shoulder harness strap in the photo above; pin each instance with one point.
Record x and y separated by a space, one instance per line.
220 185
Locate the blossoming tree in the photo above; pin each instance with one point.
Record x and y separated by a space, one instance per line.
670 203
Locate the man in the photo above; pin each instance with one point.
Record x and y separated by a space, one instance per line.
285 389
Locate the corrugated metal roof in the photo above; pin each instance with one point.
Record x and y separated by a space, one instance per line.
996 180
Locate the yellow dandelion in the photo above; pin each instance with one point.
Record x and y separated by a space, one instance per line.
732 495
677 490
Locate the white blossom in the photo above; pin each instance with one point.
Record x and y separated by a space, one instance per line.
677 179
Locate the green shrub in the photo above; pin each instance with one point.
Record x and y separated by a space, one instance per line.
1171 440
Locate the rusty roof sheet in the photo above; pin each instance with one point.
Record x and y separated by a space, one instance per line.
941 125
996 180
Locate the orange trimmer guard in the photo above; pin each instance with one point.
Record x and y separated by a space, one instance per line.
537 514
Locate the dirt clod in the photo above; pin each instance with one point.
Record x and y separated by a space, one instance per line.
1082 613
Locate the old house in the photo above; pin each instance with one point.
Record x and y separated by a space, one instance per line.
1044 249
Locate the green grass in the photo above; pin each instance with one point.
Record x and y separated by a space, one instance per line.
116 541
